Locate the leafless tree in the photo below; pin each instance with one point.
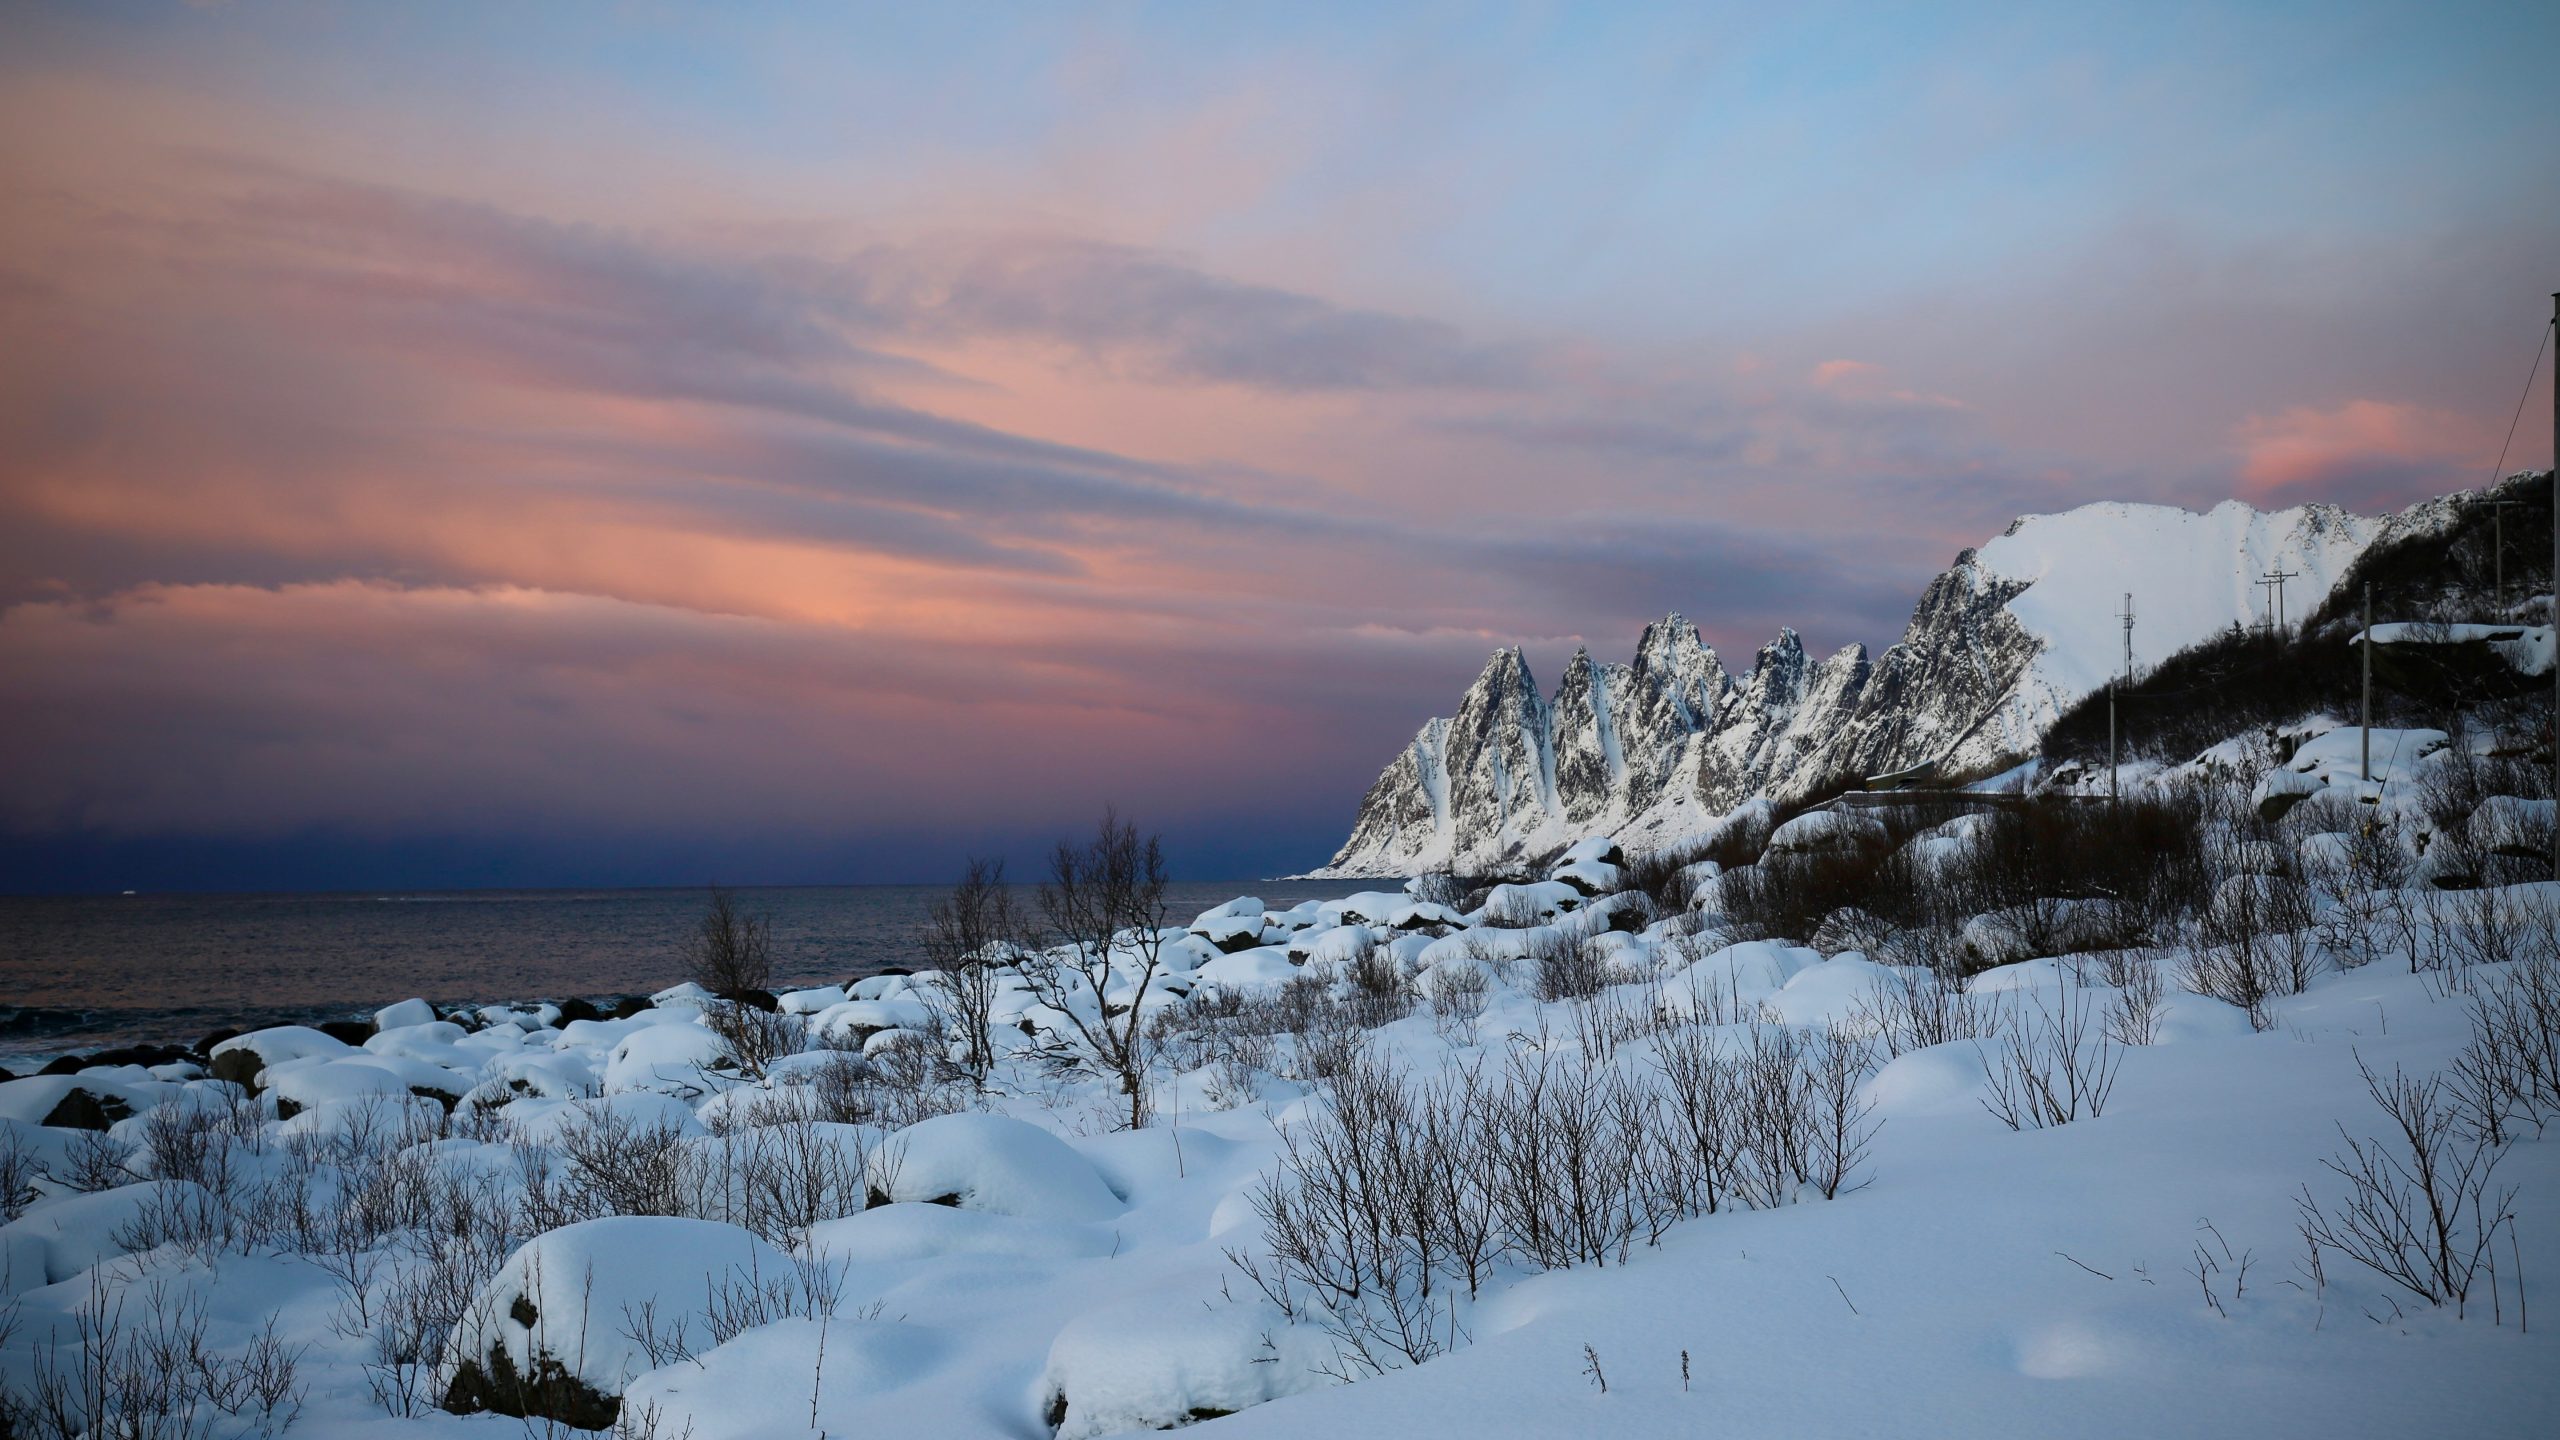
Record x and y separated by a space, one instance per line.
970 936
1103 904
730 951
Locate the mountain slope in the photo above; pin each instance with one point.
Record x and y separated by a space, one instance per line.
2000 644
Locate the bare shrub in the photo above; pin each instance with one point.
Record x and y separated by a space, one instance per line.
1458 999
1104 898
970 936
755 1037
19 1170
1838 1061
2510 1069
904 1080
2133 1016
2053 1064
607 1163
730 951
1929 1008
1372 1224
92 1162
1373 986
1569 968
2422 1206
151 1375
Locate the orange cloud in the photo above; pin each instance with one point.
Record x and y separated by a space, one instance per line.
2356 445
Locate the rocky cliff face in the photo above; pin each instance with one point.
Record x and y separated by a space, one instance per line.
2001 642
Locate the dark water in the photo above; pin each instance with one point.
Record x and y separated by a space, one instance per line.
81 972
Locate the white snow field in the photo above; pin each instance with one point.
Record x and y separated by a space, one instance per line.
623 1224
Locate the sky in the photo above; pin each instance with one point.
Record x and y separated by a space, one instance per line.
638 443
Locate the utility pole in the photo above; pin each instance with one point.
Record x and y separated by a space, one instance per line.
2364 767
2115 780
2498 542
2275 585
2127 617
2554 617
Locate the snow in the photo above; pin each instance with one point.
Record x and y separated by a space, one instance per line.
672 1058
1029 1259
585 1285
2526 647
1828 830
993 1163
407 1012
911 1230
2190 576
1154 1363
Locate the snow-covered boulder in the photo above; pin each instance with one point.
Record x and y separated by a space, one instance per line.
1263 968
407 1012
839 1367
567 1302
1154 1364
887 1234
1824 830
989 1162
856 1020
1231 933
2512 825
672 1058
1528 904
810 1002
73 1232
1734 979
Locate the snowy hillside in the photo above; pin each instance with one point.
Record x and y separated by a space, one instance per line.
1999 646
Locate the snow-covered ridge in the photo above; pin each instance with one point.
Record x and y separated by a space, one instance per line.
2001 643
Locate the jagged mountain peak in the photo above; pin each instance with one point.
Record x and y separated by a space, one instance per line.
2012 632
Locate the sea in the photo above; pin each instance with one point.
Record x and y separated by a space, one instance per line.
79 973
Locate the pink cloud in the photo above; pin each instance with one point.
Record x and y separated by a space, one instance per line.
2355 451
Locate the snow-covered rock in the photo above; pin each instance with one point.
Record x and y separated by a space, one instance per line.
993 1163
573 1296
1149 1365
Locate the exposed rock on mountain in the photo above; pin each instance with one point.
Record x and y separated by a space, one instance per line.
2000 644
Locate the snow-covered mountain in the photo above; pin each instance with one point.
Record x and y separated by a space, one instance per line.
2001 643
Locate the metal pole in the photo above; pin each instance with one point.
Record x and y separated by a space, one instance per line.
2364 767
2113 774
2554 617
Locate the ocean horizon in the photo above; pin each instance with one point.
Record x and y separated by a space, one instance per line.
81 972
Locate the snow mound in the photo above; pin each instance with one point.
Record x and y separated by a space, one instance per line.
407 1012
575 1293
729 1393
993 1163
73 1232
1828 830
886 1234
1152 1365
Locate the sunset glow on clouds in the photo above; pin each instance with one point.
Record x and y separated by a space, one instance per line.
643 446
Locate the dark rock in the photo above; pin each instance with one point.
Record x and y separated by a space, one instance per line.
64 1065
573 1010
440 1097
630 1005
353 1032
498 1387
240 1067
764 1000
205 1045
143 1055
81 1110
